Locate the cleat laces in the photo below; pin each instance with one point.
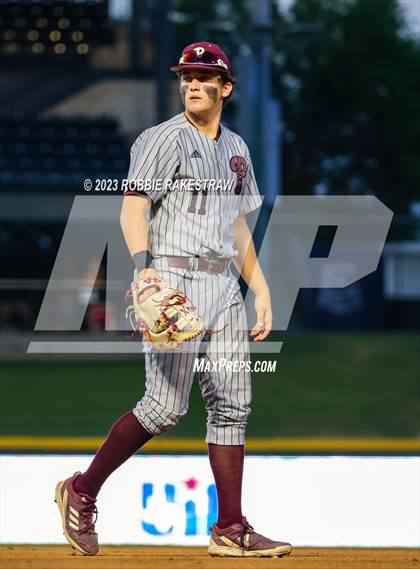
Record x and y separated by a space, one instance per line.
88 517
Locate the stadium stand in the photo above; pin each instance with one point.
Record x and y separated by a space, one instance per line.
46 29
59 153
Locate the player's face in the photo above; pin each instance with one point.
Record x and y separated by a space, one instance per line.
202 91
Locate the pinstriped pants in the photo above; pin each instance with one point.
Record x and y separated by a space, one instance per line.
169 375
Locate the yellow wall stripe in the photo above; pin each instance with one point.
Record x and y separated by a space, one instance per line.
278 445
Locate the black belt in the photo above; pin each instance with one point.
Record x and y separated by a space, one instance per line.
212 266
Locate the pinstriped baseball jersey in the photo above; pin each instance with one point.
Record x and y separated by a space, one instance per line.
189 222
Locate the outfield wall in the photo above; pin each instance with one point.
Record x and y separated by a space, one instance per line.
163 500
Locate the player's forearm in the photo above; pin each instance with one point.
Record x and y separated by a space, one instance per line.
251 272
246 261
134 224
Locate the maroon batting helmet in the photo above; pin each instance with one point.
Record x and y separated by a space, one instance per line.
204 55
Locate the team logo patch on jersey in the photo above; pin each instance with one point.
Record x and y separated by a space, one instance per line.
195 154
239 165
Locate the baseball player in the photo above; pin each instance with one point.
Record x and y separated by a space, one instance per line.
189 239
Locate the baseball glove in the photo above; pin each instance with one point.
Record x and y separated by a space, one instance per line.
165 317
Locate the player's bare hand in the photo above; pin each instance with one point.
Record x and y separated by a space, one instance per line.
264 322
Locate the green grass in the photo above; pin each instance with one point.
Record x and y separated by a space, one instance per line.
325 384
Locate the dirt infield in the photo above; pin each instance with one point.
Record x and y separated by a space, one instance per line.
128 557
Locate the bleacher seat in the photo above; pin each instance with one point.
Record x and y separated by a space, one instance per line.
41 153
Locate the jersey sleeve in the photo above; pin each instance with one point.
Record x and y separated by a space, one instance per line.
250 196
153 163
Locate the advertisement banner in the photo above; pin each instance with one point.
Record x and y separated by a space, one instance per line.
172 500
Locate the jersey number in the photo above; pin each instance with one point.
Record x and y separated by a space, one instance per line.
192 208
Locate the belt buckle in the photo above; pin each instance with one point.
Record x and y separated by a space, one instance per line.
213 266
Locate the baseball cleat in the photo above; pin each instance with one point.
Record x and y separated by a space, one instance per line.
241 540
78 514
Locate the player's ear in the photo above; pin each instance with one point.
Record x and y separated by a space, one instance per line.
227 91
227 88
